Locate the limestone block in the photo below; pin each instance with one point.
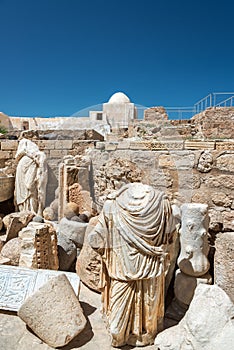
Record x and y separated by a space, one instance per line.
226 181
88 264
18 283
63 144
14 222
228 220
110 146
73 230
224 145
54 312
71 209
221 199
11 250
194 239
193 145
185 285
224 262
225 162
139 145
58 153
208 323
67 252
38 246
9 145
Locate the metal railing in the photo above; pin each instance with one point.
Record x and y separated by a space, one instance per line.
215 99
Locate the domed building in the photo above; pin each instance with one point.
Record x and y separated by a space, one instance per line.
118 112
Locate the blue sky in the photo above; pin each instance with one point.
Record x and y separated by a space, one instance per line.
60 56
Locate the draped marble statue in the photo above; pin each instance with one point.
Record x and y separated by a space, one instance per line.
31 177
132 236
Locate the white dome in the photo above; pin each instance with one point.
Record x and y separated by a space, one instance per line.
119 97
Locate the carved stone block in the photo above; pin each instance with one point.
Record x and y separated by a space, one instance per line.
38 247
55 300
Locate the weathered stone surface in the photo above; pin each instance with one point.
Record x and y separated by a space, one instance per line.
224 262
1 224
225 162
185 285
11 250
71 209
193 145
216 221
205 162
73 230
55 300
88 264
14 222
38 246
49 214
226 181
228 220
208 323
67 252
17 283
224 145
221 199
194 239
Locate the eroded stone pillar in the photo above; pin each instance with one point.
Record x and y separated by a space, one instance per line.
38 247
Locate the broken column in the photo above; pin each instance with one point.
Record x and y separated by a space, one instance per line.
38 246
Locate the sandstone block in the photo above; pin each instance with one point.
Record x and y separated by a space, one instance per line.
63 144
224 262
54 312
225 162
11 250
14 222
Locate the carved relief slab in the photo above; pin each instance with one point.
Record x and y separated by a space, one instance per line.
199 145
16 284
224 145
156 145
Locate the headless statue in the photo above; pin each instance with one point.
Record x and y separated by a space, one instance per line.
132 237
31 177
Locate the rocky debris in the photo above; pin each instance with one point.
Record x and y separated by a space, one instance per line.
67 252
88 264
71 209
14 222
114 174
208 323
224 262
54 312
74 230
11 250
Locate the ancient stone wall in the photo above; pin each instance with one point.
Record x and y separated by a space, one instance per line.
188 171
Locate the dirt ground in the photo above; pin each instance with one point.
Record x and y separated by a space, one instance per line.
14 334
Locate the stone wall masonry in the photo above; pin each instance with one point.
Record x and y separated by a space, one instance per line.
197 171
201 174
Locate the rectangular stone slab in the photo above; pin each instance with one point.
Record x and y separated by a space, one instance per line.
17 283
54 312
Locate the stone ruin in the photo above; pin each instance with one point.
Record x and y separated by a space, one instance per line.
140 224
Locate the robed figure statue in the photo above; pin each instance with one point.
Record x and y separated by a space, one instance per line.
132 236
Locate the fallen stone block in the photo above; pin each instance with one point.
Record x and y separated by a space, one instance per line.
54 312
73 230
14 222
